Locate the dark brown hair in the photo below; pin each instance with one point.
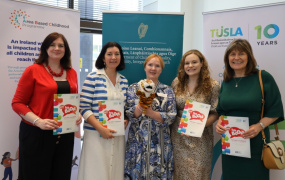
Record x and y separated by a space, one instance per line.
241 45
99 64
65 61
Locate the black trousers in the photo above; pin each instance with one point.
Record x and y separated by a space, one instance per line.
44 156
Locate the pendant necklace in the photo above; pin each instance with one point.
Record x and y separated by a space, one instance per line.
237 81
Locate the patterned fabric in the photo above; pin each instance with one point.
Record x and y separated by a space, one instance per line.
97 87
149 149
193 155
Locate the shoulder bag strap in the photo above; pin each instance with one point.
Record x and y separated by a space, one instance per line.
262 109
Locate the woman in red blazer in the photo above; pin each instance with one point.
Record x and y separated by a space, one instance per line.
43 155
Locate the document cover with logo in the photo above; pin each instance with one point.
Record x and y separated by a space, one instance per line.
65 112
193 119
232 141
111 115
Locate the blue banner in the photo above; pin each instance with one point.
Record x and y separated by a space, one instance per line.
142 34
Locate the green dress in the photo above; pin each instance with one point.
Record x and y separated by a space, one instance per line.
245 101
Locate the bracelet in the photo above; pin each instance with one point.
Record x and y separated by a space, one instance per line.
34 122
262 125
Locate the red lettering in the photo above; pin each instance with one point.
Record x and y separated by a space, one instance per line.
112 114
196 115
68 109
236 132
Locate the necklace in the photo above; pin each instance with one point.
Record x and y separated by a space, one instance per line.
53 73
237 81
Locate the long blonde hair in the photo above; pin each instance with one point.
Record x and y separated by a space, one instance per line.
204 85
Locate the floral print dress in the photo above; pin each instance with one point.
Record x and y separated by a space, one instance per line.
149 150
193 155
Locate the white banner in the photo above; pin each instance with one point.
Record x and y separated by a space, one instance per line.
264 28
23 28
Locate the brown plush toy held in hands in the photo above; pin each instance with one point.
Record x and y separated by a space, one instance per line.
146 94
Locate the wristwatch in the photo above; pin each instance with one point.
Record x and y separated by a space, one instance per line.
262 125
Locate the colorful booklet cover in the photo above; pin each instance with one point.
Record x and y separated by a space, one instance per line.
111 115
232 141
194 118
65 112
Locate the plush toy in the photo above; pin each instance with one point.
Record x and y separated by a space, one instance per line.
146 94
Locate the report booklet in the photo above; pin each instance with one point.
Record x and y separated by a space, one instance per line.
111 115
232 141
65 112
194 118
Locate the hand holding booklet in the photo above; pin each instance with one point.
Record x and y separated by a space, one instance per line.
232 141
65 112
194 118
111 115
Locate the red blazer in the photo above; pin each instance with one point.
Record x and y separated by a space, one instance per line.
35 91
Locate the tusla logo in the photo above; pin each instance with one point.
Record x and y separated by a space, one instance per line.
196 115
18 17
236 132
112 114
142 30
225 32
68 109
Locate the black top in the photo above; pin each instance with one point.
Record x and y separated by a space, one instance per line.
63 87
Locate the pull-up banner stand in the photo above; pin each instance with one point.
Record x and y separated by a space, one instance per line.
263 26
142 34
23 28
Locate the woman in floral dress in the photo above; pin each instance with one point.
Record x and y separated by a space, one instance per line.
193 155
149 149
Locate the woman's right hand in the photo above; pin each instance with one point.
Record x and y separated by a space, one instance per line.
219 127
106 133
47 124
138 111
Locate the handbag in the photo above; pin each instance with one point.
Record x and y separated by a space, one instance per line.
273 155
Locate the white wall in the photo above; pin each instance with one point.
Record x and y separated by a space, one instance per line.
193 19
214 5
162 5
169 5
150 5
